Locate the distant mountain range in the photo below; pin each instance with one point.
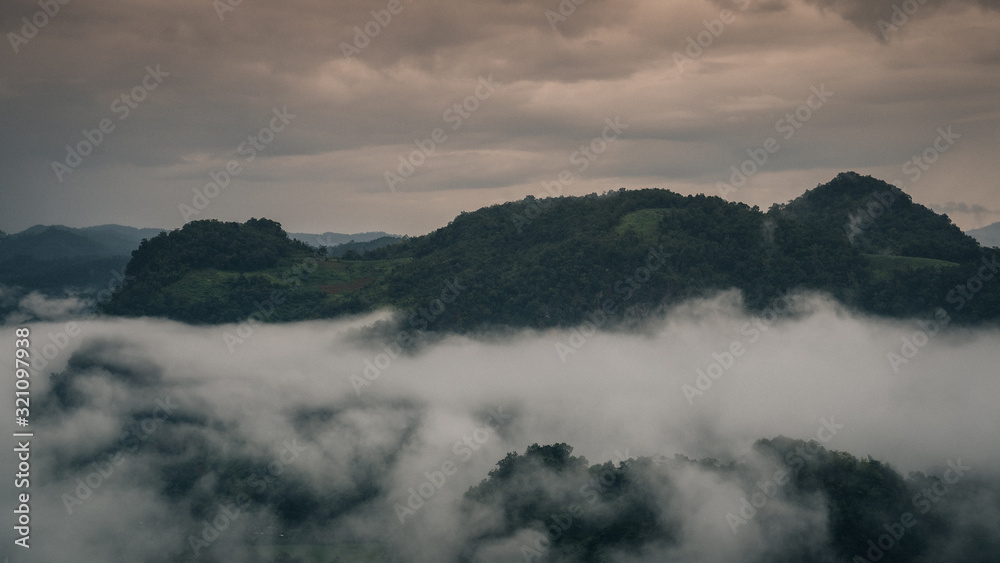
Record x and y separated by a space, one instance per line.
58 242
333 239
607 259
55 259
988 235
339 245
52 242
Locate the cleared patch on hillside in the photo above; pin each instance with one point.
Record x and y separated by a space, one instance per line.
645 222
884 265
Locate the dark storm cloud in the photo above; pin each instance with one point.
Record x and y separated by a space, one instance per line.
883 18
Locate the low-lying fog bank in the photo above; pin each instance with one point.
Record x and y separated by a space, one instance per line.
150 435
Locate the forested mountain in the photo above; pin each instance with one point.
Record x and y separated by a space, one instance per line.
59 242
579 255
212 272
564 509
606 258
556 261
54 259
879 218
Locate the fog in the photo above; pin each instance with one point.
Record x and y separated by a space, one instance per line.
330 428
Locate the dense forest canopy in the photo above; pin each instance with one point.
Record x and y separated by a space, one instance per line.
562 261
574 511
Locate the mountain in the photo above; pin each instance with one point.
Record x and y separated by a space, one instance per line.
48 243
329 239
878 218
58 242
558 507
119 239
353 249
339 245
560 261
988 235
608 259
215 272
54 259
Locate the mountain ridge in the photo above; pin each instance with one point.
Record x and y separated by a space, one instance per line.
988 235
585 256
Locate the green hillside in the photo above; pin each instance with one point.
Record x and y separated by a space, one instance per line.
215 272
612 252
561 261
879 218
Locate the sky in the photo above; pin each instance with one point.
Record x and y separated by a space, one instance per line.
144 421
397 115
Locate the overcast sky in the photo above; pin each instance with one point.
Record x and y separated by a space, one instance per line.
200 80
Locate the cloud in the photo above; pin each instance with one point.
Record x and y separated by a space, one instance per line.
356 117
980 213
883 18
960 207
155 434
753 5
38 307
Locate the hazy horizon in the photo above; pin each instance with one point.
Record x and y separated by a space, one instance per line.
328 230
